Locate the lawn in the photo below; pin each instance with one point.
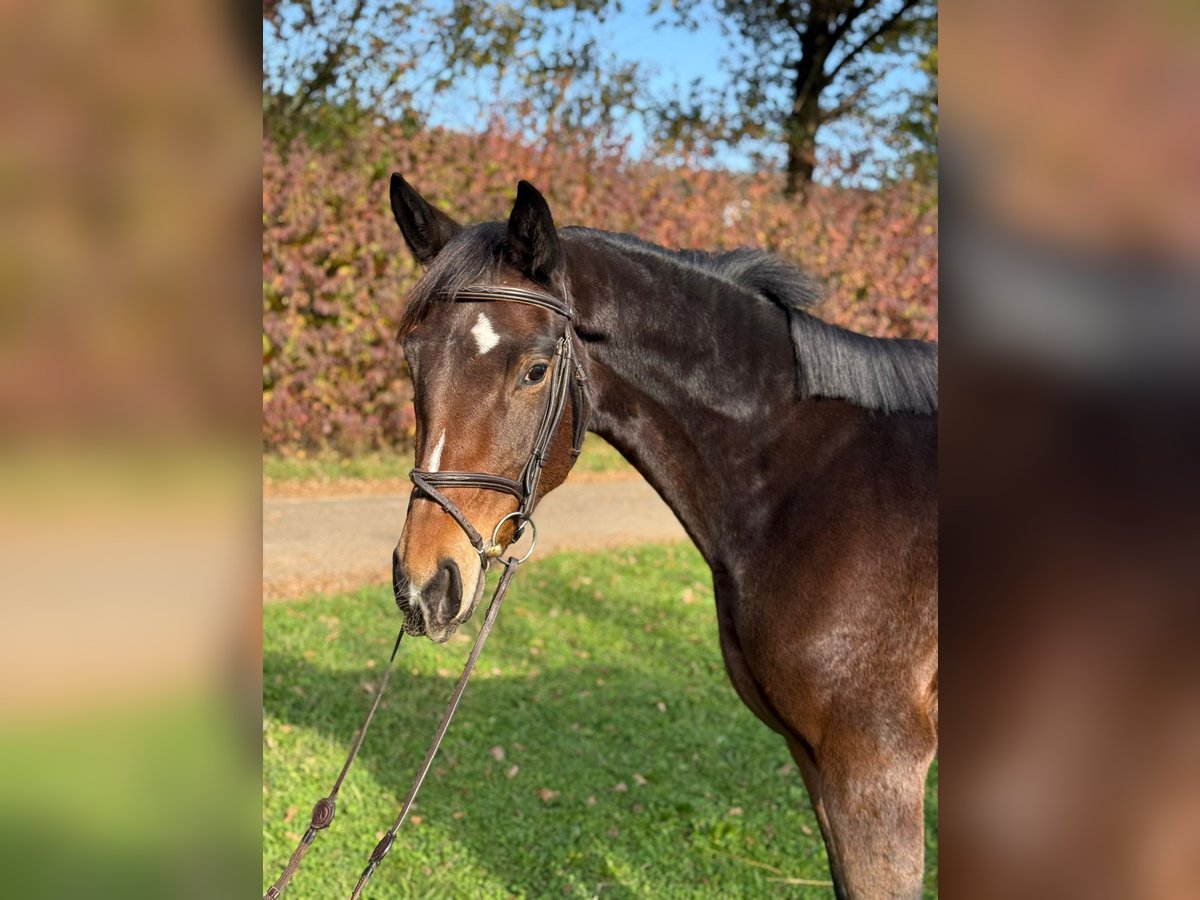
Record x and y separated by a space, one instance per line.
598 458
599 749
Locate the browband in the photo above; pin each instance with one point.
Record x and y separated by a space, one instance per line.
487 292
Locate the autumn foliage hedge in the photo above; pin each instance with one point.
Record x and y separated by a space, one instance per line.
335 270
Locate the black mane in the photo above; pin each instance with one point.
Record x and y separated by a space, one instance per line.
886 374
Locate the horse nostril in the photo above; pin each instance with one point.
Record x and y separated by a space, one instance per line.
449 574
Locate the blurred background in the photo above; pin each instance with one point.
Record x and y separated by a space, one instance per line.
131 441
1071 429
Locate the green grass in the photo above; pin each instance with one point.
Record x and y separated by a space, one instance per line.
598 457
603 671
329 466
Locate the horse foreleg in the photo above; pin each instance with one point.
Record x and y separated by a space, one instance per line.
802 753
872 789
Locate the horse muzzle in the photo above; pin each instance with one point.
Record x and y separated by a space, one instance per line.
439 606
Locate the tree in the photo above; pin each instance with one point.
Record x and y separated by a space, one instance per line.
545 65
327 64
915 131
801 64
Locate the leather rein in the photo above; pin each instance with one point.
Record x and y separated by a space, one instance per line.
567 379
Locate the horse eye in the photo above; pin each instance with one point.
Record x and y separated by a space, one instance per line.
535 374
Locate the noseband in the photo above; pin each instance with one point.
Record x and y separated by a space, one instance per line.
566 379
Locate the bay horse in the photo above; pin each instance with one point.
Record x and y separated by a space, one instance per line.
800 457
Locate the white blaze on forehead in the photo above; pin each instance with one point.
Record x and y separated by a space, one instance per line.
485 336
435 458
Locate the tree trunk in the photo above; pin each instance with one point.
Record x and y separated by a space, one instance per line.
802 127
802 122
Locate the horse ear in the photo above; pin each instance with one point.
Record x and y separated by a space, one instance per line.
426 230
532 238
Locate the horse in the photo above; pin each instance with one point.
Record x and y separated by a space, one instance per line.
800 457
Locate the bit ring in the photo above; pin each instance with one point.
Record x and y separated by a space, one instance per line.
495 549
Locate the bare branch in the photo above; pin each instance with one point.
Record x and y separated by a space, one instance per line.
851 102
881 29
853 14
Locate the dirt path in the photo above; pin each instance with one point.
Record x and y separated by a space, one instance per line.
330 544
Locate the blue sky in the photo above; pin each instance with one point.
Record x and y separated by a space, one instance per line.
680 54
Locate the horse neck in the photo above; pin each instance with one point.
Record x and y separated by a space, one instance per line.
693 386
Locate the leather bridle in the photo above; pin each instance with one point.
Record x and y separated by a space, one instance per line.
566 379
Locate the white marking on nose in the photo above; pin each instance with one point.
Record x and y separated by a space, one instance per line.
485 336
435 458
